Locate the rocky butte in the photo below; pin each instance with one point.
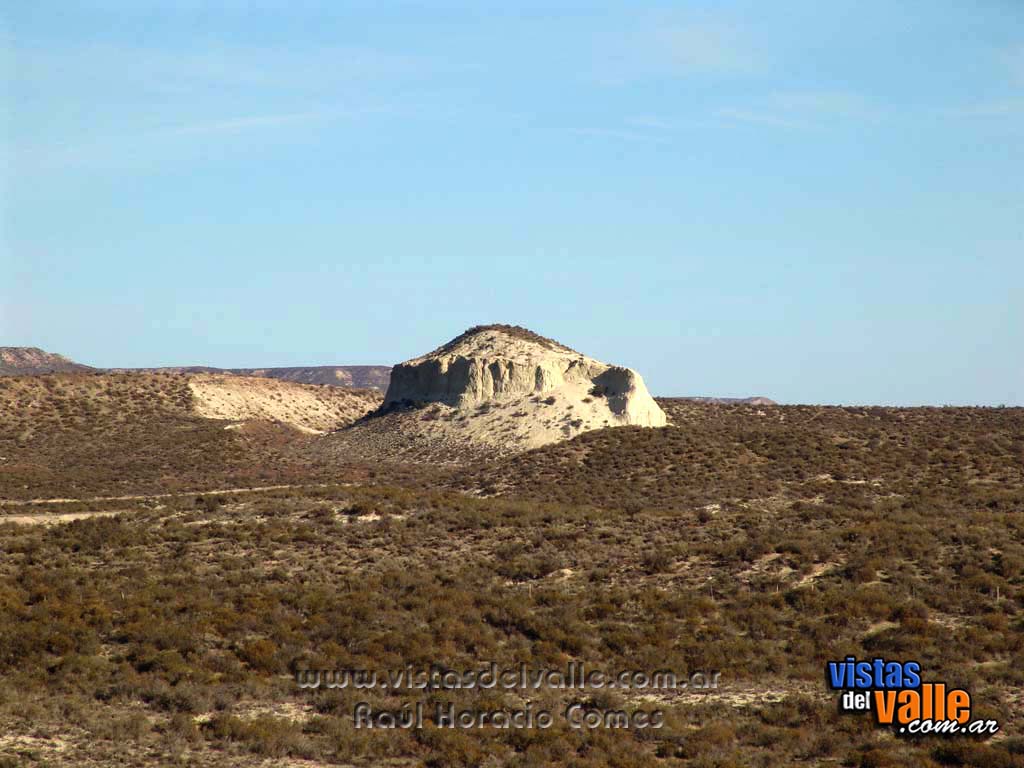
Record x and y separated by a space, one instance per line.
505 385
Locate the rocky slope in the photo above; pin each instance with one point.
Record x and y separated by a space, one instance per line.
496 365
500 389
22 361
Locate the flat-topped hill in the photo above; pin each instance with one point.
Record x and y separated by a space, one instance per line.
499 389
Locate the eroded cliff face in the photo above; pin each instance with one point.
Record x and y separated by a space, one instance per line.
493 366
628 397
463 381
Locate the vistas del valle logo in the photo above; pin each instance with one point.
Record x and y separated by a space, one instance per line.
895 694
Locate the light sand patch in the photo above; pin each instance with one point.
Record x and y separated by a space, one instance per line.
309 408
54 519
347 517
287 710
19 744
737 695
177 494
878 627
817 571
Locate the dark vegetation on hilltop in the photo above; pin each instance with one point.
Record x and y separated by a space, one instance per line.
515 331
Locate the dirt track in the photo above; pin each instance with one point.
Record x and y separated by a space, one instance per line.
144 496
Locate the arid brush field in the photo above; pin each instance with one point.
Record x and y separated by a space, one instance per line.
175 549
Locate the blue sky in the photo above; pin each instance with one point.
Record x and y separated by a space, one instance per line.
817 202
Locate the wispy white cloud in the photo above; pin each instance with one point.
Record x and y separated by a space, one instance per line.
707 47
674 45
647 121
807 110
826 105
759 118
237 125
622 135
62 94
990 109
152 147
1008 106
1014 60
120 67
123 106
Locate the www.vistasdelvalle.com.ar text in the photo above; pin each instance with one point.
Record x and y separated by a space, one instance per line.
574 676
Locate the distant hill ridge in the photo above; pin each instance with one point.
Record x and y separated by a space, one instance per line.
27 361
757 400
352 376
15 361
32 361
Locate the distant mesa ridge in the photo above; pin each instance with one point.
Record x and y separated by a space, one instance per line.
353 376
29 361
24 361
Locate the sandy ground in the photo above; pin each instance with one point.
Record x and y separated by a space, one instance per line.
176 494
521 424
49 518
310 408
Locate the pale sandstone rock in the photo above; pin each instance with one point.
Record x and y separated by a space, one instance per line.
308 408
504 385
